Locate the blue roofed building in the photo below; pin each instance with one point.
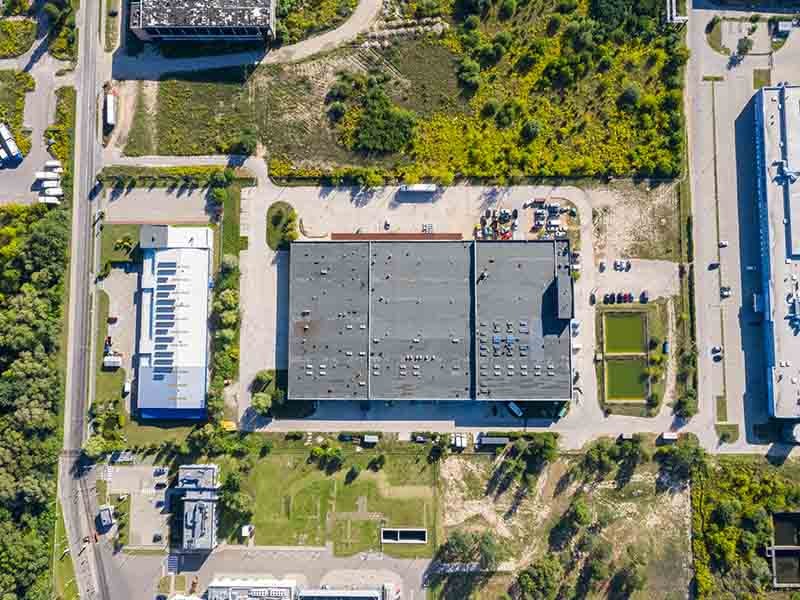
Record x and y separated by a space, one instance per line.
172 357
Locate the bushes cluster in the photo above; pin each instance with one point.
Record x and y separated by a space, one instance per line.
732 504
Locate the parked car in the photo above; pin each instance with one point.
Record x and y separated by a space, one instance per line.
157 537
606 298
592 299
159 472
620 298
627 265
723 243
725 291
644 297
713 265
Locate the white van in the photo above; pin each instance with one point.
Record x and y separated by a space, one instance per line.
46 175
49 200
514 409
52 164
56 192
50 183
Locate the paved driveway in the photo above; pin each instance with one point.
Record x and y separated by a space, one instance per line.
157 205
17 183
311 568
121 288
147 517
658 277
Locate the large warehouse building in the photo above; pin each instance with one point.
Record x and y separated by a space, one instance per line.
430 320
173 327
196 20
777 132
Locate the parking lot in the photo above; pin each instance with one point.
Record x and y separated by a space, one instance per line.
162 206
149 515
659 278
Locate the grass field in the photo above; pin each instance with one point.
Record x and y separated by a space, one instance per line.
108 383
625 379
16 36
761 78
312 507
628 511
624 333
110 235
112 24
64 584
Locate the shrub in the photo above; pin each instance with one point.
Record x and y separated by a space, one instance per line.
383 128
530 131
744 45
508 8
542 580
554 24
490 108
469 73
337 110
472 22
630 96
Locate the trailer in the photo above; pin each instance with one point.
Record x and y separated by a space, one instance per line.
426 188
8 143
52 164
111 110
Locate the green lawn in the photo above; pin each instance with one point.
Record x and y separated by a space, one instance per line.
624 379
112 24
231 239
277 215
624 333
122 514
111 234
309 499
64 585
16 36
761 78
714 37
300 19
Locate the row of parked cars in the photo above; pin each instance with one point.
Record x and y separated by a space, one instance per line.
621 297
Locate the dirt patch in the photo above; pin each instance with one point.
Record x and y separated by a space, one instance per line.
636 222
634 515
126 107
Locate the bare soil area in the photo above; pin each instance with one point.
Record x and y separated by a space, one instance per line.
634 516
634 221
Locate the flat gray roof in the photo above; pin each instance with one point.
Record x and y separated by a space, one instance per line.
199 487
406 320
523 345
204 13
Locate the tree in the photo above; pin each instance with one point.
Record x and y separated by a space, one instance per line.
261 403
262 380
337 110
95 447
469 73
229 263
239 503
383 128
508 8
53 12
744 45
541 580
377 463
248 140
219 195
630 96
352 474
488 551
530 131
459 547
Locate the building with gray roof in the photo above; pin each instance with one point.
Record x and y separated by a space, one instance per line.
198 487
777 133
197 20
430 320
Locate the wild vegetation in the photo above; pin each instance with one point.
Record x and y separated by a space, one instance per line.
13 87
609 523
33 261
63 37
299 19
16 36
733 500
540 88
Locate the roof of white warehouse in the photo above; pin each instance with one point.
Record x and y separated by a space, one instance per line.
173 335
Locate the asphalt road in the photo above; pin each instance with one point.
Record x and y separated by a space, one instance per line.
76 485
